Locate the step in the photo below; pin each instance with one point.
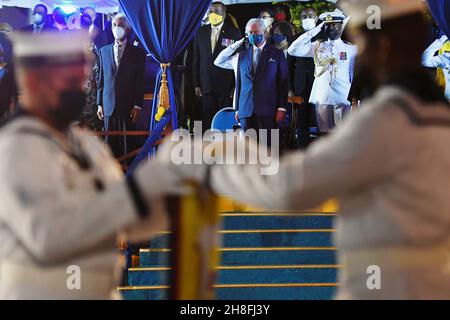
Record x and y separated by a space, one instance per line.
265 238
244 274
276 221
251 256
293 291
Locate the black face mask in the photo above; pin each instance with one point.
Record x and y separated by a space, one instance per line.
71 106
333 33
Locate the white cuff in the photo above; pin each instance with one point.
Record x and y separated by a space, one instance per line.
139 108
282 109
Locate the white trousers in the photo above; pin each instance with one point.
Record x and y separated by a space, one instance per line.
330 116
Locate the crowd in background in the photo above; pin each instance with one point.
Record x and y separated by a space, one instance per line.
202 86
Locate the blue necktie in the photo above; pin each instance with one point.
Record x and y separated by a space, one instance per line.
256 59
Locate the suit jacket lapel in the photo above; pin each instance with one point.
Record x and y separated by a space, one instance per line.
222 35
219 43
262 60
250 61
208 35
112 59
126 53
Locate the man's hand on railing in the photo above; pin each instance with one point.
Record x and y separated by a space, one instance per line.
198 92
100 113
135 114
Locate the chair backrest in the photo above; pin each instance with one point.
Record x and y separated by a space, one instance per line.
224 120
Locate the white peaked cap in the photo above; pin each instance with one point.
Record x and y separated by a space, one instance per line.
362 10
336 15
50 48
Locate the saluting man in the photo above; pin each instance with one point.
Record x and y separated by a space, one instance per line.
63 197
334 65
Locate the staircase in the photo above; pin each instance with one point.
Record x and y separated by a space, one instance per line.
265 256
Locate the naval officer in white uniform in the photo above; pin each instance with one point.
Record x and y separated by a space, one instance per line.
389 166
334 61
63 197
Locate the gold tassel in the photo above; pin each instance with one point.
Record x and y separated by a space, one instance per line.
163 97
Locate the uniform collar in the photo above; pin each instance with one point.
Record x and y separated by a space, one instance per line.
333 41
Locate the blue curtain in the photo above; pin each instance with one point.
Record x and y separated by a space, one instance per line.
440 10
165 28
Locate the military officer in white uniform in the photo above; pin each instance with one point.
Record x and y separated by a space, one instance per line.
63 198
389 166
440 61
334 61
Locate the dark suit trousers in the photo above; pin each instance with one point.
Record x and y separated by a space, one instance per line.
306 117
120 145
257 123
211 104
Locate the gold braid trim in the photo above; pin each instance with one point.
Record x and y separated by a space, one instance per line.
323 63
163 96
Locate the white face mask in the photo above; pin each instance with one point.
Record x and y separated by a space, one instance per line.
38 18
308 23
267 23
118 32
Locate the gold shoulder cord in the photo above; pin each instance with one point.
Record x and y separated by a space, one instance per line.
323 63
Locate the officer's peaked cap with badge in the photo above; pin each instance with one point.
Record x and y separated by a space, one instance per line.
51 49
335 16
362 10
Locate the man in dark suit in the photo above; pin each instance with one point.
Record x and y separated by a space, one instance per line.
120 94
213 84
39 21
302 80
262 79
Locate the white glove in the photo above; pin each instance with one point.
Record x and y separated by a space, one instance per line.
179 157
157 178
443 39
314 32
237 44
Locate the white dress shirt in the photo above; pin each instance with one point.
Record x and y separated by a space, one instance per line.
119 49
215 35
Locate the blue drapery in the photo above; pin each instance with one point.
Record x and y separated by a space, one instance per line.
165 28
440 10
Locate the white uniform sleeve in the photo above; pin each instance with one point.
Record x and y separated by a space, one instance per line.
303 47
228 59
353 157
431 61
51 221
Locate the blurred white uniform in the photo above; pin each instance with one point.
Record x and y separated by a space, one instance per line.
388 166
440 61
53 214
334 61
63 198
